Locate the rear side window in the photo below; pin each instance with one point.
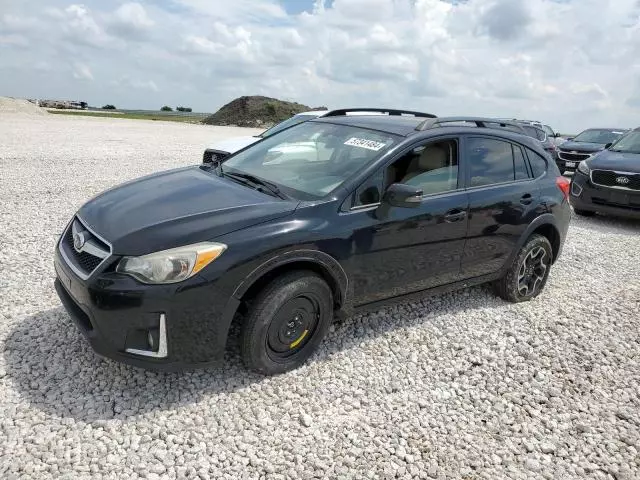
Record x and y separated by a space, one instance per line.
519 164
537 162
490 161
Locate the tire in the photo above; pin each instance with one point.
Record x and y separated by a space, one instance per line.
286 322
511 286
584 213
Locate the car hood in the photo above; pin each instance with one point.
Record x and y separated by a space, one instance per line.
232 145
175 208
570 146
621 162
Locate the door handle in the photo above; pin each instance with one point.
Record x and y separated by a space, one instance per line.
526 199
455 215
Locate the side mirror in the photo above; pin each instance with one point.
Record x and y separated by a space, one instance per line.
570 138
557 135
608 145
402 195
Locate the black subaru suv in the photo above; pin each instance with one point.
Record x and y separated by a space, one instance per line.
610 181
586 145
390 208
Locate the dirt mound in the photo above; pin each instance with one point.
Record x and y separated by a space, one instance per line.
255 111
21 106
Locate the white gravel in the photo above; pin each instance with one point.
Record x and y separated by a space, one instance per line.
460 386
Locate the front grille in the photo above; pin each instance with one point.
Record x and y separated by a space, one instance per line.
609 178
90 256
573 157
213 156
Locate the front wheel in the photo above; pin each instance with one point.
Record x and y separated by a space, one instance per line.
286 322
528 274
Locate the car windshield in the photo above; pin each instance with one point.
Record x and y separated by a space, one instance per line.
630 143
310 160
289 122
598 136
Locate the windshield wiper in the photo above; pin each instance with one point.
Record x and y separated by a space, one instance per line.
263 184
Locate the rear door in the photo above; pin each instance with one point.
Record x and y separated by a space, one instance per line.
503 200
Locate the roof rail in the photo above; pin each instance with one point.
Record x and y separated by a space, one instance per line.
389 111
479 122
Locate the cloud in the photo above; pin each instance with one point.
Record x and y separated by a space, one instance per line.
130 20
82 72
570 63
506 19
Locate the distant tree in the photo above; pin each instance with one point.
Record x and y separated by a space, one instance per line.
109 107
166 108
184 109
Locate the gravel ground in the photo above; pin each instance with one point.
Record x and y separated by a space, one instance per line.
459 386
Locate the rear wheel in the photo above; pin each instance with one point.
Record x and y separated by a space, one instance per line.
584 213
286 322
528 274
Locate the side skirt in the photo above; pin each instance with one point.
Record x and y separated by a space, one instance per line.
415 296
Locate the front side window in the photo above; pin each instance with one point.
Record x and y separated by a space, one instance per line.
490 161
432 167
311 159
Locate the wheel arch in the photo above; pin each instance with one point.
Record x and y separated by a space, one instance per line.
545 225
313 260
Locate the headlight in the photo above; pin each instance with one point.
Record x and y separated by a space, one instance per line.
584 168
171 266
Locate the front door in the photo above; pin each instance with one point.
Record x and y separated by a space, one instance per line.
396 250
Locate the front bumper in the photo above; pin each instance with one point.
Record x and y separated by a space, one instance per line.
115 313
586 196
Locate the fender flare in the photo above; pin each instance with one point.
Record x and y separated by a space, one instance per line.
329 265
542 220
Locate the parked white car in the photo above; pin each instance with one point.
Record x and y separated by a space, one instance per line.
299 151
221 149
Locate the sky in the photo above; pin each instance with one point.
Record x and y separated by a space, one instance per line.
570 63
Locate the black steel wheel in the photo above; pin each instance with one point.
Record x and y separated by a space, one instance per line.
527 276
286 322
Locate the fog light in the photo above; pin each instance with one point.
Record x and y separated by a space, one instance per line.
576 190
157 340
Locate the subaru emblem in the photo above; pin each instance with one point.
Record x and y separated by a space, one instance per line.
79 240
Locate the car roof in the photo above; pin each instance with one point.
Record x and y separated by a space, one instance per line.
396 124
407 126
607 128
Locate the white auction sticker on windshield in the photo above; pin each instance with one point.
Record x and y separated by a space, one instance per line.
363 143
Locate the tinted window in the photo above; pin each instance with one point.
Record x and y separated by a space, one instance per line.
548 130
369 192
432 167
538 164
520 167
535 132
490 161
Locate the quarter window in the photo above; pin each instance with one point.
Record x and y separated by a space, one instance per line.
369 192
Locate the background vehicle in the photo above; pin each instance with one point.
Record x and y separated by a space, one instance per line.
610 181
398 206
222 149
585 145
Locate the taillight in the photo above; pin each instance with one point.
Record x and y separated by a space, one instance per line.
563 184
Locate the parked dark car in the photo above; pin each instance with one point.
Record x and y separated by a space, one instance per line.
538 132
394 208
609 182
586 145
